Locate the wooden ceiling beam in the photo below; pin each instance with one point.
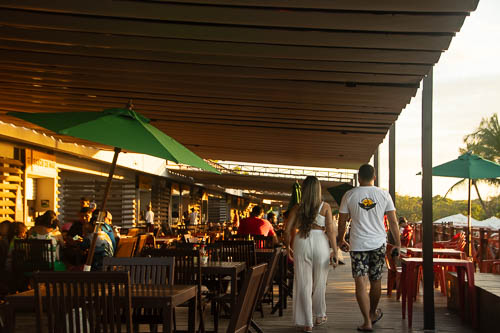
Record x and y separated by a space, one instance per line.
155 50
34 99
157 115
204 90
39 70
228 102
249 16
222 70
241 34
160 111
451 6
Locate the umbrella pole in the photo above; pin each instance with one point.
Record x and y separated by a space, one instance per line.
100 218
469 229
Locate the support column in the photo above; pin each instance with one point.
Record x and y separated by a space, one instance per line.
376 159
392 162
427 227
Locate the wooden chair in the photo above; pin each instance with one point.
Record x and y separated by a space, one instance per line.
237 250
32 255
132 232
125 248
267 284
141 241
187 271
77 302
393 273
263 242
144 271
241 317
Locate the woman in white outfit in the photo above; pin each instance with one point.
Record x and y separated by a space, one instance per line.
314 247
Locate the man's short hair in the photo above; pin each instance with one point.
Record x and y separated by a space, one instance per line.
257 210
366 172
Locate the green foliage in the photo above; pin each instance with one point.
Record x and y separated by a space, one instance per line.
485 140
411 207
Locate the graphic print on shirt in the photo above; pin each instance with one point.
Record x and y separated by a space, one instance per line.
367 204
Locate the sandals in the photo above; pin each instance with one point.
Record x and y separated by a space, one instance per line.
320 321
307 329
380 315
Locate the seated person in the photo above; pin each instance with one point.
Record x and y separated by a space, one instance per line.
106 226
103 246
256 225
84 217
46 228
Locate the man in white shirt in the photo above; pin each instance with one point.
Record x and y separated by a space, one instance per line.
366 206
193 217
150 219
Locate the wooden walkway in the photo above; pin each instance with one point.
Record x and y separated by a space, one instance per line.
343 313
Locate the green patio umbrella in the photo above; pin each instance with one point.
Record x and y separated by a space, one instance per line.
120 128
338 191
468 166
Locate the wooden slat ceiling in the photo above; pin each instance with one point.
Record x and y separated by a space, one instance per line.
310 83
264 184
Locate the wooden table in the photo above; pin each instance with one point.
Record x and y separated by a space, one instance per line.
408 281
224 268
417 252
143 296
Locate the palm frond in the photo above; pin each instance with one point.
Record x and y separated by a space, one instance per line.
458 184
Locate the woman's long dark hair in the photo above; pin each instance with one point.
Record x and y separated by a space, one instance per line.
308 209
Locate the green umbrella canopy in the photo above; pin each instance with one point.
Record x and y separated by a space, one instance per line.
468 166
338 191
121 128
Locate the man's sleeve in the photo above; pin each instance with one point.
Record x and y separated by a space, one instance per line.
343 205
390 204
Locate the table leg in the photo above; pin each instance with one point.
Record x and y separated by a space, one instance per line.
412 271
472 293
404 286
461 291
192 315
234 287
168 318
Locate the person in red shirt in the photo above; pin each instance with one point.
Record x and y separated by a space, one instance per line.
256 225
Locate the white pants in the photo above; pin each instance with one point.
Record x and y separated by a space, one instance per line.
311 265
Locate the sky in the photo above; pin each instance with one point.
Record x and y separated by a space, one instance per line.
466 89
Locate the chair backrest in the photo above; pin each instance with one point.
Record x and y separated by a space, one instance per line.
133 232
187 264
141 241
272 266
125 248
31 255
263 242
238 250
247 300
143 270
77 302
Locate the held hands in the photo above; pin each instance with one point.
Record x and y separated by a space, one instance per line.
395 252
334 261
344 246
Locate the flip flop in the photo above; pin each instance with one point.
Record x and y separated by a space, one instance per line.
362 329
380 315
307 330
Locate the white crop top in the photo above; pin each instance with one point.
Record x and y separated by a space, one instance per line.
320 219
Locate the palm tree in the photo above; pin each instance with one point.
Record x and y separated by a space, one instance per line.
484 142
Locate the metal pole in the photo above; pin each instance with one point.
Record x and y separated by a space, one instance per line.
427 232
392 162
376 159
100 218
469 228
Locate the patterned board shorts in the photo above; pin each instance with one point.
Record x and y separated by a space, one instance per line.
368 262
